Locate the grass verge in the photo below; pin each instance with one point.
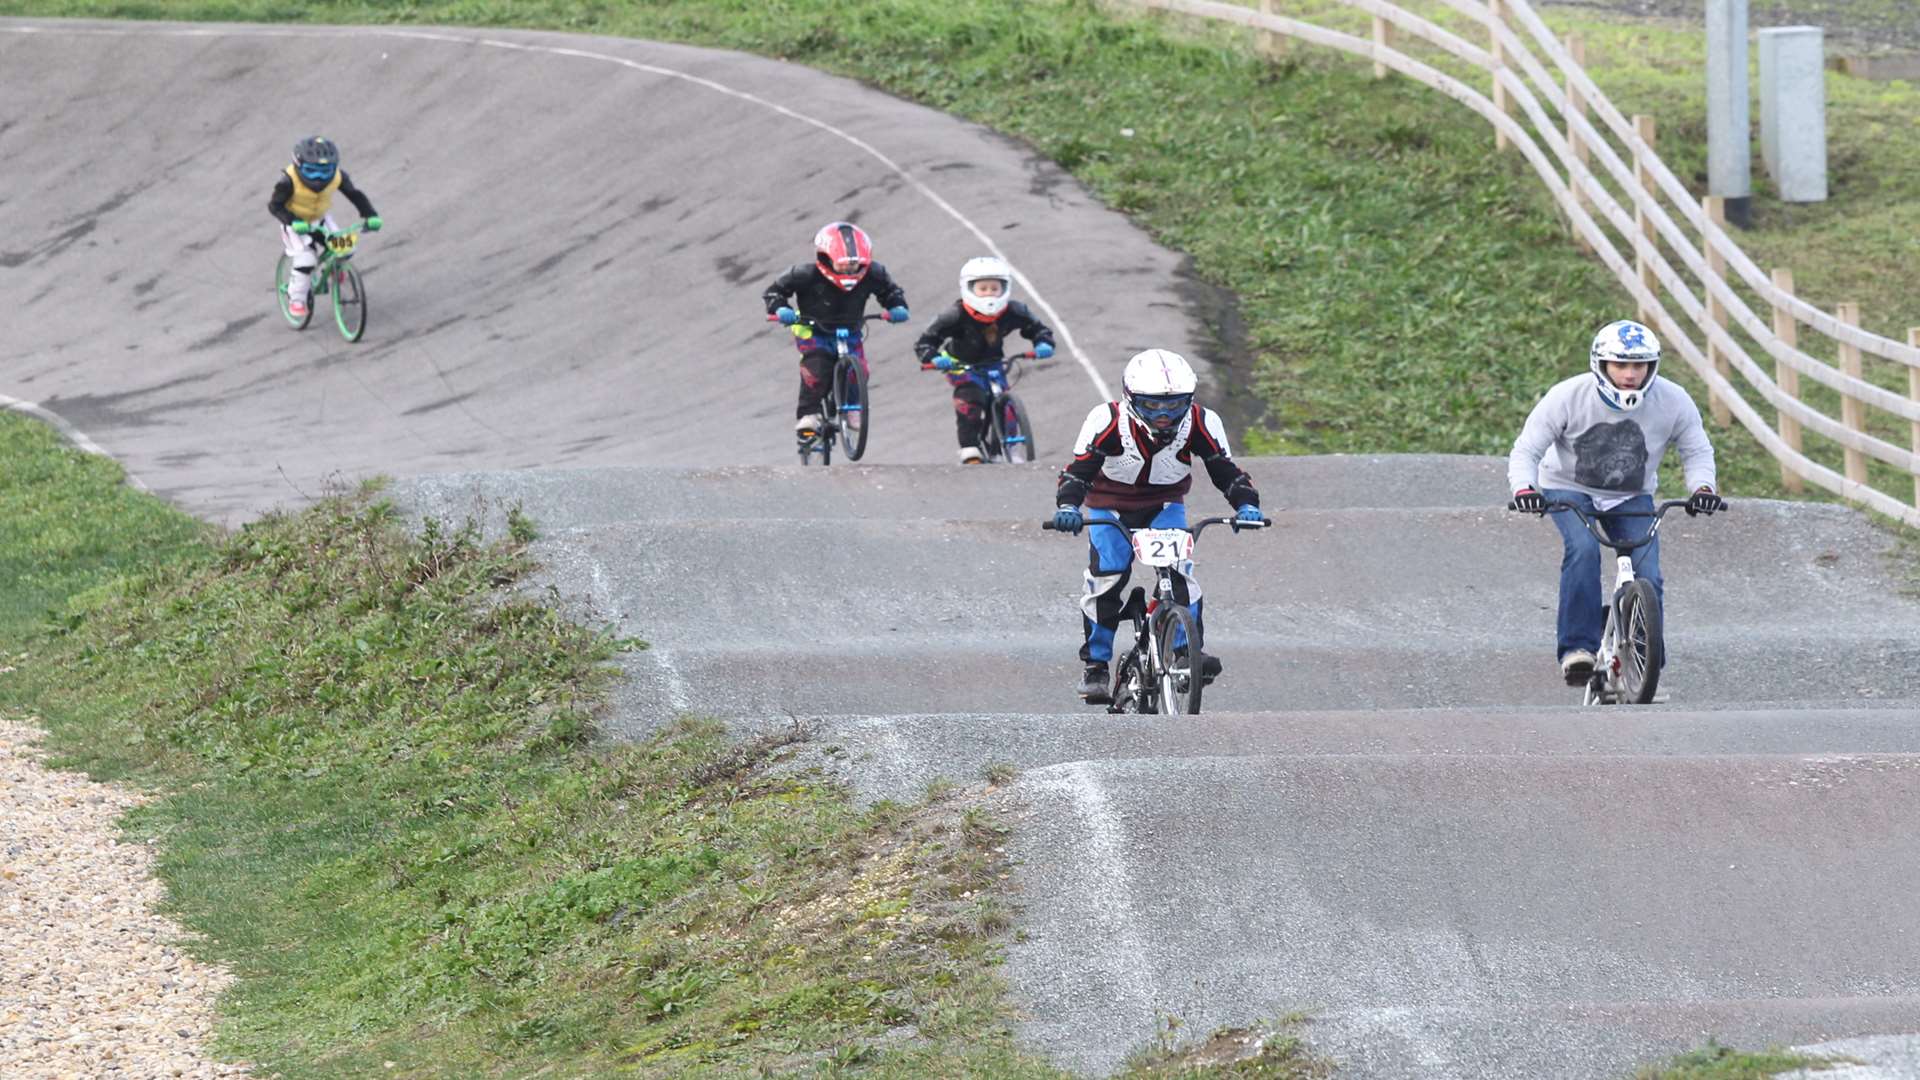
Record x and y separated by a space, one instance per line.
1716 1062
379 806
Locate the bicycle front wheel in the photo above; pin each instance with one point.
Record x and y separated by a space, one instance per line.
1180 681
349 302
1017 437
856 408
1641 642
282 275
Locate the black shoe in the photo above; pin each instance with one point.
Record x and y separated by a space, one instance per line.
1096 685
1209 665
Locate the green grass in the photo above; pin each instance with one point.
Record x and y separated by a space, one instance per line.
1716 1062
379 805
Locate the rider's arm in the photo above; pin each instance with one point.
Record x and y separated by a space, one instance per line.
1696 450
1210 443
1030 327
277 202
935 336
357 197
1099 439
785 286
885 289
1544 425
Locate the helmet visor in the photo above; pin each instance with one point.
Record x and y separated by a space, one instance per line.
1162 410
848 265
317 170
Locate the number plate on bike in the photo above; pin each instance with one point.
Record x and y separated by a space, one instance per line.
343 242
1162 547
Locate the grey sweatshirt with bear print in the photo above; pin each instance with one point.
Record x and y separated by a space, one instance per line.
1575 441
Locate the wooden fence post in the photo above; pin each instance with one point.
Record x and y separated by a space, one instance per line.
1913 392
1577 105
1644 243
1787 329
1271 44
1716 212
1382 40
1853 412
1497 15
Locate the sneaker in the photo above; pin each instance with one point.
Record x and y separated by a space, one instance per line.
297 309
970 455
1095 685
1576 666
1209 665
808 424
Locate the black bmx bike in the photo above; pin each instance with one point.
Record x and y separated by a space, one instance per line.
1161 673
846 413
1633 642
1009 434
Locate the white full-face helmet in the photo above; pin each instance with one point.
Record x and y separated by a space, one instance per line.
985 268
1159 387
1624 342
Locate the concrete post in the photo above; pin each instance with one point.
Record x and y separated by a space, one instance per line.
1793 111
1729 120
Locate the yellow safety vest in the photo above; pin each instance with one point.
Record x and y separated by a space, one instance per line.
307 204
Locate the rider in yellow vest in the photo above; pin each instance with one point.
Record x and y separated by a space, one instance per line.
301 200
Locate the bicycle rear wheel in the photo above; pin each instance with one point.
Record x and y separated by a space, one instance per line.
856 409
282 276
1180 679
1017 431
1133 689
1641 645
349 302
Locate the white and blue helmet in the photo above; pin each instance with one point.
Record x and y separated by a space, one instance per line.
1624 342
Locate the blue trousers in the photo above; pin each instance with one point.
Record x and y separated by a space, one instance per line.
1110 564
1582 614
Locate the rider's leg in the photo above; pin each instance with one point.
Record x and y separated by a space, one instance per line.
816 369
970 419
1109 565
300 251
1581 617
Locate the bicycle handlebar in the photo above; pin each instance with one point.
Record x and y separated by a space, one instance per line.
962 369
817 325
1198 526
1592 518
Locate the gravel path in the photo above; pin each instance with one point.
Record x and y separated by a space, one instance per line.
93 982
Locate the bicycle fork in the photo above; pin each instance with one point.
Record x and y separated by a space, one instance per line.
1605 686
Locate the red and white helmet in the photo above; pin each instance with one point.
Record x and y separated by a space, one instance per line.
843 252
985 268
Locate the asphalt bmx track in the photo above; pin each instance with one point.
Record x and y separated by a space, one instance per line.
1390 818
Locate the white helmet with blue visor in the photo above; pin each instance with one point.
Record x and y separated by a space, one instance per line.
1159 386
1624 342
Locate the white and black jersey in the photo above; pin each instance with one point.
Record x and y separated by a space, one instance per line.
1117 466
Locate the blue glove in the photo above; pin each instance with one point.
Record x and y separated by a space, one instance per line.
1042 350
1247 515
374 223
1068 519
898 314
943 362
300 227
787 316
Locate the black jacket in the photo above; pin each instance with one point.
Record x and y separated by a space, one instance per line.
824 302
282 191
971 341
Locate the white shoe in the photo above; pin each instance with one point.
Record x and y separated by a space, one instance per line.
970 455
1576 666
807 425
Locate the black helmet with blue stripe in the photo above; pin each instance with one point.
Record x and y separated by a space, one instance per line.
316 159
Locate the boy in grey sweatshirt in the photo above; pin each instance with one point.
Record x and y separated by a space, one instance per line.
1596 440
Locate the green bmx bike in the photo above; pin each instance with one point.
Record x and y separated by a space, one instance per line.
334 276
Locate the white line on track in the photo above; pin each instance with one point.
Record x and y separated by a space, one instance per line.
1053 315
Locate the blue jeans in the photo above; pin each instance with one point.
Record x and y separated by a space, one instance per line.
1110 564
1582 615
